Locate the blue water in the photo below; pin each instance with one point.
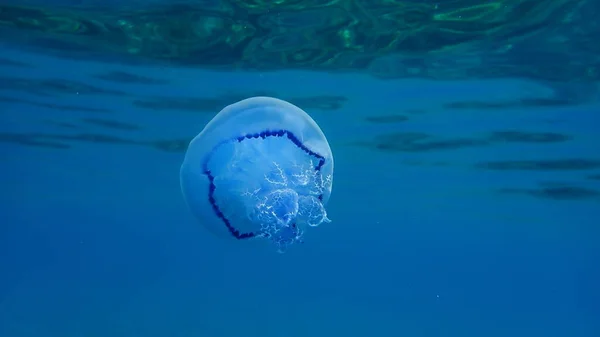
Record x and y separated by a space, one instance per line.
96 240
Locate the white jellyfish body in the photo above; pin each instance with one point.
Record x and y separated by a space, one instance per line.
261 168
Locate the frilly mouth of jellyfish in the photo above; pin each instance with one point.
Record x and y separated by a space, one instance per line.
283 197
267 184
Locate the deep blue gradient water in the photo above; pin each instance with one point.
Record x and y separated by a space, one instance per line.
426 240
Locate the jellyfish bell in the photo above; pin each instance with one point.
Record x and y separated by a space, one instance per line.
260 169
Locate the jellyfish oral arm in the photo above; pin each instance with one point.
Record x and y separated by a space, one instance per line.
287 192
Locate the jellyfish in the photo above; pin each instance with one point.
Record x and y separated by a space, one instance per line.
260 169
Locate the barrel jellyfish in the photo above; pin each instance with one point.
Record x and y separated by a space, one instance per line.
260 169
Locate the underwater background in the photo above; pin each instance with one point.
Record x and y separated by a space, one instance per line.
466 194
